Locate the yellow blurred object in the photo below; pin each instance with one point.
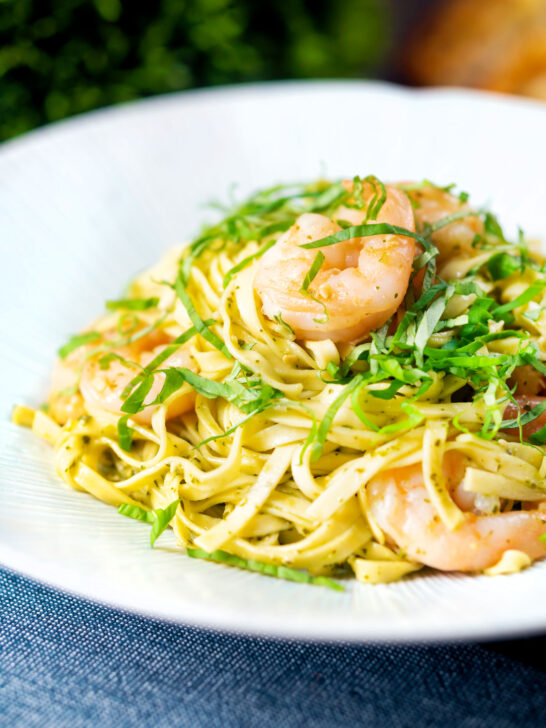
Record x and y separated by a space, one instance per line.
490 44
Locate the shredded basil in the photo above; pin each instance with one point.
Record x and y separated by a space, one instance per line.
525 418
281 572
501 265
492 226
107 359
159 518
125 433
377 200
531 292
246 394
135 401
132 304
243 264
201 327
156 362
312 272
279 319
76 341
318 440
364 231
309 278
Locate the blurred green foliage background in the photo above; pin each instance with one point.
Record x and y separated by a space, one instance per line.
62 57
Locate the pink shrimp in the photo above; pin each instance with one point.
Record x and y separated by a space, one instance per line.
101 388
401 506
433 204
361 282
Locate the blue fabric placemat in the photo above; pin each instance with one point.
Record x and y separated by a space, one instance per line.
67 662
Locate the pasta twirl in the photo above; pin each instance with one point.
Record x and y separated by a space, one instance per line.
337 378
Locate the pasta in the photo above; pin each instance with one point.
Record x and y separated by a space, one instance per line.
337 378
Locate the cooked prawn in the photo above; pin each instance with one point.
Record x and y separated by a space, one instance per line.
527 381
401 506
64 403
102 388
360 285
432 204
523 404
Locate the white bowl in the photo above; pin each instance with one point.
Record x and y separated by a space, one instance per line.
85 204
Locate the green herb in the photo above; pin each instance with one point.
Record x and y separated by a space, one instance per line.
538 437
129 338
309 278
318 439
281 572
492 226
193 252
279 319
426 259
377 200
448 219
255 395
159 519
249 395
415 417
529 357
107 359
125 433
196 320
312 272
174 379
357 194
364 231
132 304
127 324
501 265
430 318
168 351
388 392
359 353
525 418
525 297
261 215
243 263
231 430
357 409
76 341
135 401
332 196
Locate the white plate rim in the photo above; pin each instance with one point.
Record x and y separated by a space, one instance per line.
213 619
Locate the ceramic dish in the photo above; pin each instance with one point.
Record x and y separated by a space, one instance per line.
88 202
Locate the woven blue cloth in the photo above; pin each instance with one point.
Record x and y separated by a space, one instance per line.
67 662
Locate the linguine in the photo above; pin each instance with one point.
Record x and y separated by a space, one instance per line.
267 450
